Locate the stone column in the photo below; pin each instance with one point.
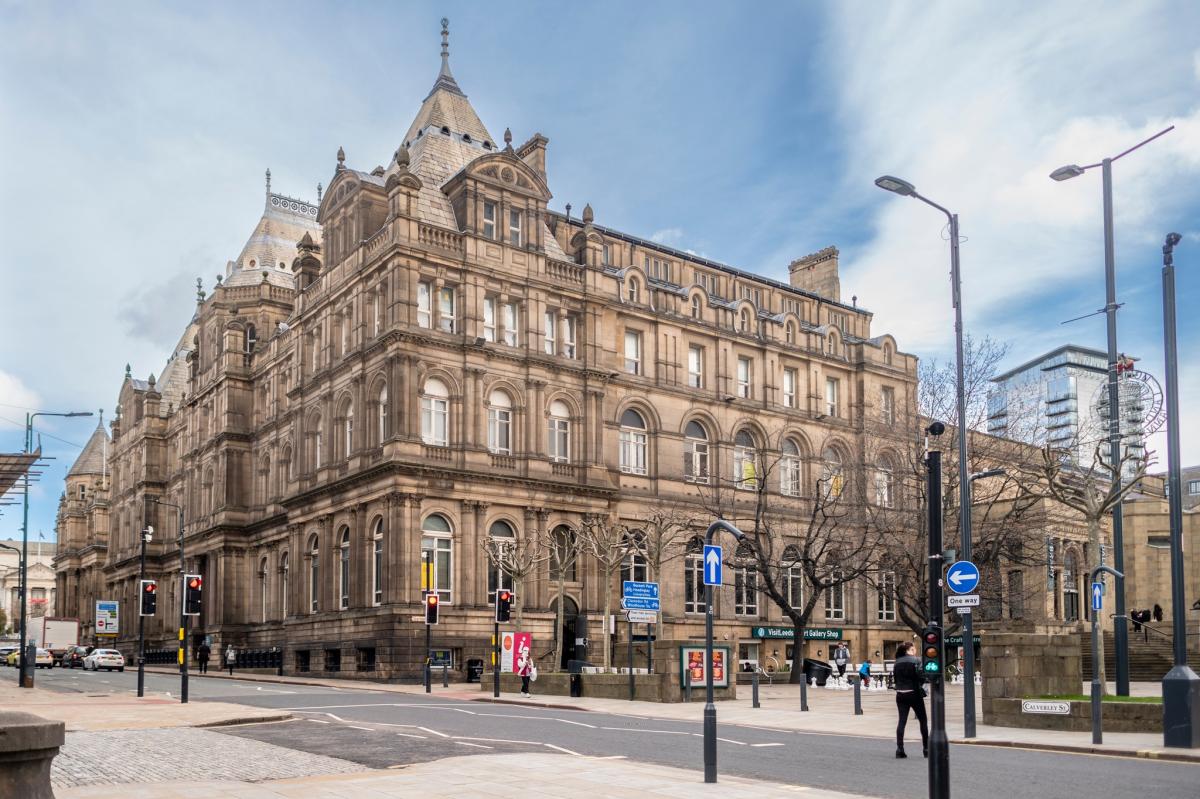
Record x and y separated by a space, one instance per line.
413 564
397 549
27 747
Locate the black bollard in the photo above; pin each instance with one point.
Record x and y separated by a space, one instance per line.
754 687
857 696
445 676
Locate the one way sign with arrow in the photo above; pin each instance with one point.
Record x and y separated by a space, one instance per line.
712 564
963 577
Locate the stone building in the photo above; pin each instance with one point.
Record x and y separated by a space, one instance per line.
430 359
43 599
1147 548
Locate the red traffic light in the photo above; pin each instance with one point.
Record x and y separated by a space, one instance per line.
431 599
194 583
150 587
505 596
931 638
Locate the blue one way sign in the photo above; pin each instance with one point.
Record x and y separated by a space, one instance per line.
1097 596
963 577
712 564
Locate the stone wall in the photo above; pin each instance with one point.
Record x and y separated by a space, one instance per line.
1020 665
1117 717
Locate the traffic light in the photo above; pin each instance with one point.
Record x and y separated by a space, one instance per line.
149 597
431 608
193 584
931 652
503 606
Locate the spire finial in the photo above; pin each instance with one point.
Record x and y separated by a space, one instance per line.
445 44
268 180
128 371
588 214
341 156
199 290
319 188
508 138
402 157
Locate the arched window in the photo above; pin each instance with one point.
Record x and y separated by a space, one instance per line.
745 582
314 574
559 433
377 310
347 437
634 288
499 416
791 470
885 483
346 333
744 321
564 555
833 478
695 453
635 566
437 551
381 414
887 354
634 441
789 333
696 310
693 576
503 539
316 436
251 343
210 490
289 467
377 561
344 569
284 584
745 461
793 576
832 345
1070 586
435 413
262 589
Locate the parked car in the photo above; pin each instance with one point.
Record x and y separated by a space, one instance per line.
74 657
44 659
107 659
12 657
5 651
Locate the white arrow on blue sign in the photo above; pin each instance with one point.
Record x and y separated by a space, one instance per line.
963 577
712 564
1097 596
636 588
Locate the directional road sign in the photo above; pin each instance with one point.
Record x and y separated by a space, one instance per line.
1097 596
963 577
968 601
633 588
712 564
640 603
642 616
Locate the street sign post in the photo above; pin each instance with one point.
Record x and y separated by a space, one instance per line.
963 577
712 564
640 603
642 616
967 601
634 588
1097 596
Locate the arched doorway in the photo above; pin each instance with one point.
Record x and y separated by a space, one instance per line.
570 617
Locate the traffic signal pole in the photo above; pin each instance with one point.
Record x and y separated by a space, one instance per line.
939 744
141 681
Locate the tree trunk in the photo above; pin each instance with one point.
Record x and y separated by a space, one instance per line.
604 621
797 673
559 617
518 602
1085 597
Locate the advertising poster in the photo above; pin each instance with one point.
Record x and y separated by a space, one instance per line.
692 662
512 647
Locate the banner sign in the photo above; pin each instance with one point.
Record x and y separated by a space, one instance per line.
810 633
512 647
108 617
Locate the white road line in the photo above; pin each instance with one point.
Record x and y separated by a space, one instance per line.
610 757
273 690
355 727
336 718
477 746
661 732
766 744
496 740
433 732
576 723
563 749
410 735
460 710
320 721
731 741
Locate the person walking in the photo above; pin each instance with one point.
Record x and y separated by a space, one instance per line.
910 695
864 673
524 670
230 658
202 655
841 656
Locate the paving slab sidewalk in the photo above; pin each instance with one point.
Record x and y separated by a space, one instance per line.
112 711
528 775
831 712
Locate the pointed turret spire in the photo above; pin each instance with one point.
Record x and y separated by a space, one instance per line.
320 188
445 80
268 182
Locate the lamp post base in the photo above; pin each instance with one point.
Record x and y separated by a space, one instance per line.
1181 708
710 742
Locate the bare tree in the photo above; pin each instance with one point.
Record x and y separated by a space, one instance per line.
608 544
564 556
660 535
517 557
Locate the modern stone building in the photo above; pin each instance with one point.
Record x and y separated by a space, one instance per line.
431 359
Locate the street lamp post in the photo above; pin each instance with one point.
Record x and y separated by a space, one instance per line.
24 673
710 709
183 619
906 189
147 533
1181 686
1120 629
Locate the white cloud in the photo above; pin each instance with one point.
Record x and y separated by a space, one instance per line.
15 394
668 236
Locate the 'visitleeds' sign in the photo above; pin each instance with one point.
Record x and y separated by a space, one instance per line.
810 633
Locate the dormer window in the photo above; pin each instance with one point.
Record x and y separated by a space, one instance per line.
489 220
445 130
744 321
514 228
487 145
635 290
467 138
695 306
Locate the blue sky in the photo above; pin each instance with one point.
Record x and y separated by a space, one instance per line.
136 137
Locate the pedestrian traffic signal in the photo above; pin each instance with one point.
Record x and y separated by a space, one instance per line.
431 608
193 584
931 651
149 594
503 606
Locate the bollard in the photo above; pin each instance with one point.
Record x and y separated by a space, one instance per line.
858 697
445 676
754 686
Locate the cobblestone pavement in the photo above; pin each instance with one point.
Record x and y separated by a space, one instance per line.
172 755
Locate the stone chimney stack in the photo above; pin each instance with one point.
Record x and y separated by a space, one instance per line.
817 274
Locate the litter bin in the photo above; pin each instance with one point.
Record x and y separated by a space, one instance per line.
474 670
817 670
575 670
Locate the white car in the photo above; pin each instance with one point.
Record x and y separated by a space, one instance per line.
107 659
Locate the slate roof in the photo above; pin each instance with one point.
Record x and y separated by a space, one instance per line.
91 460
